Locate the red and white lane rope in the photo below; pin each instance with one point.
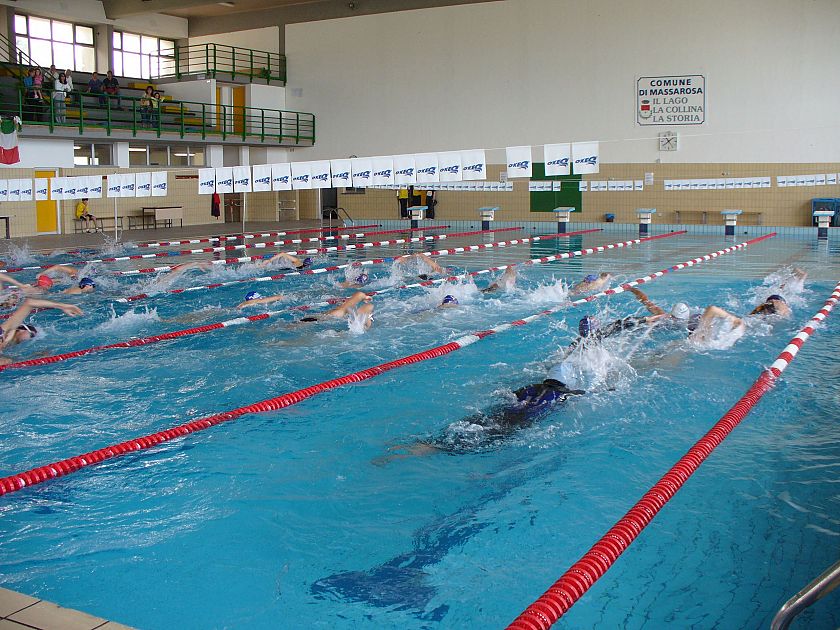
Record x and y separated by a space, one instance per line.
143 341
360 263
41 474
580 577
220 248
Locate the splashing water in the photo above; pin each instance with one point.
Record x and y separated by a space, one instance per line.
550 293
128 321
20 255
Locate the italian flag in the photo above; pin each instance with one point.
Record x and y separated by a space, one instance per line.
9 153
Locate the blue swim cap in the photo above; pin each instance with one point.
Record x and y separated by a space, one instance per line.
590 278
307 262
450 299
252 295
776 296
587 325
362 278
86 282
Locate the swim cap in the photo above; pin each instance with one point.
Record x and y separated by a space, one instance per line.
680 310
362 278
28 328
776 296
590 278
45 282
86 282
587 325
450 299
556 373
252 295
307 261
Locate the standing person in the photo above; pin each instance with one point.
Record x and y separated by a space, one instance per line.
50 78
82 214
95 87
431 202
112 87
68 75
33 104
156 99
402 199
38 82
60 91
146 106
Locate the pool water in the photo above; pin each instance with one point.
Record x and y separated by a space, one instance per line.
303 517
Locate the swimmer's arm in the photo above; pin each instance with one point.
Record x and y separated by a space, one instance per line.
10 280
177 271
712 312
30 304
265 300
70 271
653 308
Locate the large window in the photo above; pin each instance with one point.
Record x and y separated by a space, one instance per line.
47 42
92 154
165 155
141 56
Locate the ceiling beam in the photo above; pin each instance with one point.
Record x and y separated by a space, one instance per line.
115 9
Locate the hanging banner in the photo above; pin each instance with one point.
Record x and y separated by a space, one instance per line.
362 171
25 186
57 188
473 164
320 174
585 158
224 180
426 168
383 171
82 187
404 173
672 100
449 166
4 189
262 177
206 181
127 186
143 184
281 176
94 186
14 190
42 189
519 161
301 172
70 184
160 183
341 171
241 179
558 159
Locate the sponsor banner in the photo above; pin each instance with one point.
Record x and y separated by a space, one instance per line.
4 189
519 162
160 183
426 168
449 166
383 171
341 173
114 185
301 172
224 180
241 179
362 172
473 165
70 185
14 190
558 158
404 173
94 186
585 158
671 100
143 187
206 181
281 176
82 186
25 189
262 178
42 189
320 174
127 185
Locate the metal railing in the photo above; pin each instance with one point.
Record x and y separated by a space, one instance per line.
14 56
86 111
814 592
218 60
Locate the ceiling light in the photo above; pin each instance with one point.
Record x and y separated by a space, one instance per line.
183 154
226 4
137 149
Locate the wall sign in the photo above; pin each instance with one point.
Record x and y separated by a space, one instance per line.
673 100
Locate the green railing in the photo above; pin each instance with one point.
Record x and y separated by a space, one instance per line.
217 60
83 111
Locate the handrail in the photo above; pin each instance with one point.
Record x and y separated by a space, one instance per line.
339 210
811 594
220 59
184 118
21 58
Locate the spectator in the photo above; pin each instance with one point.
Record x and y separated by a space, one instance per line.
33 104
84 215
156 99
69 76
59 95
112 87
50 78
38 82
402 198
146 106
95 87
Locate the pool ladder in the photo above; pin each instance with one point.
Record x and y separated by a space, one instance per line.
814 592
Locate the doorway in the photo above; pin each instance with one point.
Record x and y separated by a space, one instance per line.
329 203
233 207
46 212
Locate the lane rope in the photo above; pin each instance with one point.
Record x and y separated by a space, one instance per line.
34 476
580 577
197 330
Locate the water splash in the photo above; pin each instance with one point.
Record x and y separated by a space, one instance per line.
20 255
128 321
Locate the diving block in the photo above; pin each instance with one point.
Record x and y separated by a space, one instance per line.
645 217
417 214
564 215
487 214
730 219
823 218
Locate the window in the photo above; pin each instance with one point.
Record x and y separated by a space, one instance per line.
141 56
138 155
92 155
163 155
49 42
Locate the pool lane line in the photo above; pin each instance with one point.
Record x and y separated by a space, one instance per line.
175 334
360 263
34 476
580 577
222 248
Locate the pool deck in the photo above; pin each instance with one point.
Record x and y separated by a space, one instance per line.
22 612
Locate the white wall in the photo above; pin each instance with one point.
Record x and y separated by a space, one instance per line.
266 39
535 71
201 91
156 24
44 153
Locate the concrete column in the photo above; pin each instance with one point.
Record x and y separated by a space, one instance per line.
214 155
104 41
121 158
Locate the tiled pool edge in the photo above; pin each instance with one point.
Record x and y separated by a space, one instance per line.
23 612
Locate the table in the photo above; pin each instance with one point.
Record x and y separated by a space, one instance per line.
163 213
6 218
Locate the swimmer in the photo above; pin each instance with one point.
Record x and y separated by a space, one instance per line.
357 283
423 260
680 312
253 298
591 331
796 276
505 283
705 327
359 304
448 301
165 279
86 285
774 305
591 283
15 331
294 261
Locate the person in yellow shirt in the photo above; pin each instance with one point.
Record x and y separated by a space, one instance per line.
86 217
402 197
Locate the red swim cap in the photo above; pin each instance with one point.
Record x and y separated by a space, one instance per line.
45 282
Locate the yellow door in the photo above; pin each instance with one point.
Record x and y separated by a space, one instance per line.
239 109
46 212
218 108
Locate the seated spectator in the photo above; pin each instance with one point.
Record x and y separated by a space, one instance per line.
112 87
84 215
95 87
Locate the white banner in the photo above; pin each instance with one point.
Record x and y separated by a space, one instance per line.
206 181
519 161
224 180
114 185
320 174
144 184
449 166
126 187
82 187
362 172
4 189
426 167
42 189
14 190
241 179
557 159
70 184
404 173
26 190
301 172
281 176
341 173
262 177
473 164
585 158
160 183
94 186
383 171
